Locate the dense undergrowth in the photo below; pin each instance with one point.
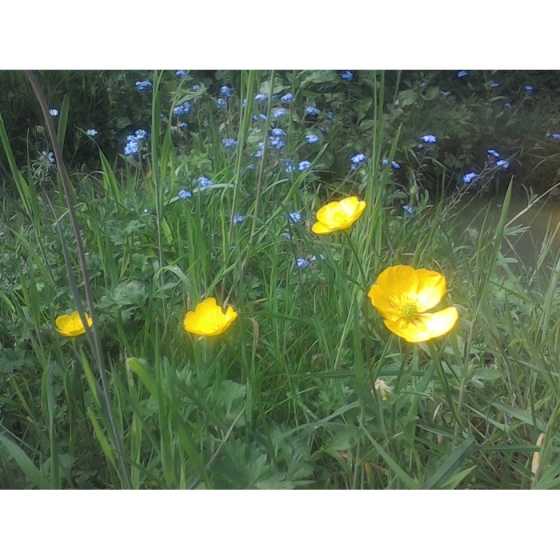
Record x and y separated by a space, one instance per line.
195 193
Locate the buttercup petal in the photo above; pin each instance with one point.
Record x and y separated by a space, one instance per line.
426 326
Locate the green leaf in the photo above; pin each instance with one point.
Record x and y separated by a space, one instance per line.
25 464
451 464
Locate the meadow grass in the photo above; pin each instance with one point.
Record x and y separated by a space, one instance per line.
307 388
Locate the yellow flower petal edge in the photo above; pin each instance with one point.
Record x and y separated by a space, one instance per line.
338 215
403 294
209 319
71 325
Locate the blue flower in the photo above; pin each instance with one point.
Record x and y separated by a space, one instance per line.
261 116
261 97
277 132
225 91
555 135
204 181
91 132
408 209
301 263
503 163
347 76
330 115
287 235
394 164
182 125
180 73
358 158
303 165
312 138
508 105
528 89
141 134
494 85
141 86
429 139
313 258
54 112
179 110
222 103
279 113
295 217
289 165
184 194
469 178
422 84
51 160
238 219
229 142
131 147
260 151
286 98
462 74
493 153
312 111
196 87
277 142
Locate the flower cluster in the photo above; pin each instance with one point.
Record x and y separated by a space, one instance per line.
142 85
132 142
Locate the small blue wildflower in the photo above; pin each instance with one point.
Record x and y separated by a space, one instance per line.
469 178
54 112
260 151
91 132
295 217
279 113
429 139
141 86
225 91
196 87
358 158
462 74
347 76
187 107
238 219
422 84
408 209
289 166
301 263
51 160
131 147
141 134
184 194
493 153
503 163
277 132
261 97
555 135
261 116
395 165
221 103
303 165
312 111
179 111
286 98
313 258
312 138
528 89
384 161
180 73
508 105
229 142
204 181
420 146
287 235
330 115
277 142
494 85
182 125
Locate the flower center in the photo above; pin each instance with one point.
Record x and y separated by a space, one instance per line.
408 311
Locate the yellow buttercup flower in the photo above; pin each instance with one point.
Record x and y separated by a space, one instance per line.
402 295
71 325
338 216
208 318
